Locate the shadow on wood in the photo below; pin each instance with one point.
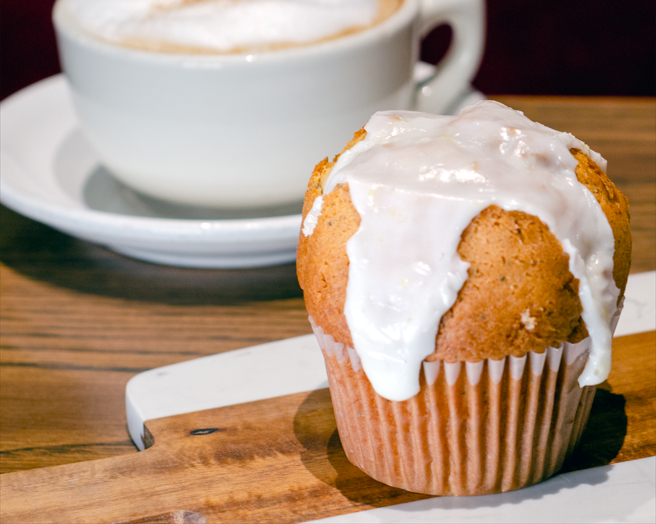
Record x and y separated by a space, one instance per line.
324 457
41 253
604 434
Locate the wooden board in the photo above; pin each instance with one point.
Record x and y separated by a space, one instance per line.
280 460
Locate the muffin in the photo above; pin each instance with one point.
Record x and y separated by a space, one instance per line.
463 276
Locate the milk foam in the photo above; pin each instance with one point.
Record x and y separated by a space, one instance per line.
417 180
220 25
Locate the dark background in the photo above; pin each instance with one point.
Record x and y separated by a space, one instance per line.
557 47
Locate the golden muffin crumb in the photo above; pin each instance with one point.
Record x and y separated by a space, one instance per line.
519 296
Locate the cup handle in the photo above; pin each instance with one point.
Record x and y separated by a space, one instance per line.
456 70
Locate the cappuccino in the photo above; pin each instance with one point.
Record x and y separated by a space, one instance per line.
224 26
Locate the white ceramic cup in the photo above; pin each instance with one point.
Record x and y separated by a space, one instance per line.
246 130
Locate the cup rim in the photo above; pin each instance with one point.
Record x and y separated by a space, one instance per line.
398 20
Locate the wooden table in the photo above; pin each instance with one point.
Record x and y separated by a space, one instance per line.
78 321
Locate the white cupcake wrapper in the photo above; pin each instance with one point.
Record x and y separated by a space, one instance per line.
485 427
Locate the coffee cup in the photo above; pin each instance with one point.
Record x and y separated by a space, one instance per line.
244 129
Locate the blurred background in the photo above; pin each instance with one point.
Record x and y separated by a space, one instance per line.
587 47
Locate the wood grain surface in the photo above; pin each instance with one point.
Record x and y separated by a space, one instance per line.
77 321
280 460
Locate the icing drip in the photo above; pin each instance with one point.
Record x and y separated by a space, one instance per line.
312 217
416 175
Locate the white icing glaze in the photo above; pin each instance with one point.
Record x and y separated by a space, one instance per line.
417 180
311 219
221 25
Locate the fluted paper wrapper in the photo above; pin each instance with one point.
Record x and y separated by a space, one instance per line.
473 429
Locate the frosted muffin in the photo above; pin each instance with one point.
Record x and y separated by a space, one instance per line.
463 276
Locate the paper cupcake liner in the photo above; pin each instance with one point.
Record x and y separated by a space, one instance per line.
473 429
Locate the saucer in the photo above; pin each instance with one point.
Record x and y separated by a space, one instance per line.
51 174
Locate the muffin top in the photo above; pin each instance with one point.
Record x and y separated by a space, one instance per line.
462 238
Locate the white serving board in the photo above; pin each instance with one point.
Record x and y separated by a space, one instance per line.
622 492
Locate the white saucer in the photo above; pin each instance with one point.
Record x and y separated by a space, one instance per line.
51 174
